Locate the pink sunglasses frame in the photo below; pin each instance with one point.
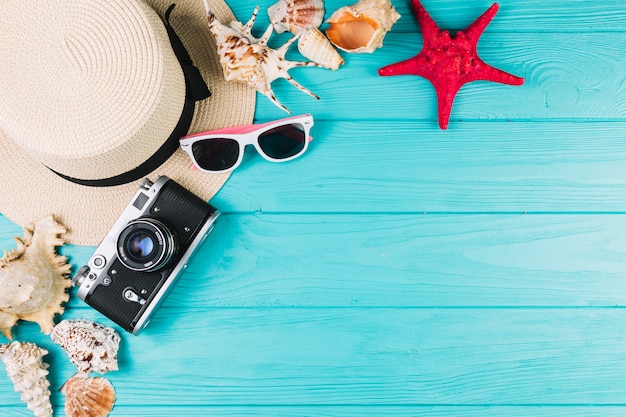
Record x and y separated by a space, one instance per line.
248 135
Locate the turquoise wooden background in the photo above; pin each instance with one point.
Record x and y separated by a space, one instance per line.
397 269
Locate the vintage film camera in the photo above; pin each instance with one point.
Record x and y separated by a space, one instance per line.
146 250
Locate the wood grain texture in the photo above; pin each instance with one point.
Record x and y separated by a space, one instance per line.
382 260
566 76
350 411
409 261
365 356
366 166
513 16
373 411
569 73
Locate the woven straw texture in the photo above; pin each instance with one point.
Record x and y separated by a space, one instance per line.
85 77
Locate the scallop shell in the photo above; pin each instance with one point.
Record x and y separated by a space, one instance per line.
362 26
249 60
315 46
33 278
88 397
28 372
90 346
296 15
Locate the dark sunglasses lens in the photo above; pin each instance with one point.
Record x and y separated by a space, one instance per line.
283 141
215 154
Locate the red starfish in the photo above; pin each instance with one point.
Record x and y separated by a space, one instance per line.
450 62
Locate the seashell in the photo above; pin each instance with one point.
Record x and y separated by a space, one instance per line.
249 60
296 15
88 397
33 278
315 46
90 346
28 372
362 26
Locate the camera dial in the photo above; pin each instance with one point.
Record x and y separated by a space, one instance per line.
80 276
146 244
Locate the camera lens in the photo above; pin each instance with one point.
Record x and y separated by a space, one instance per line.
140 245
146 244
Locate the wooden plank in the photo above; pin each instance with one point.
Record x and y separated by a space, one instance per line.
403 260
350 411
407 260
365 356
513 15
412 167
347 411
572 75
380 411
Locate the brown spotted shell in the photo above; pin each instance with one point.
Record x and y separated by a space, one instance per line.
88 397
247 59
90 346
34 278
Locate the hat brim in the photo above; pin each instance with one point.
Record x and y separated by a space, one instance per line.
29 190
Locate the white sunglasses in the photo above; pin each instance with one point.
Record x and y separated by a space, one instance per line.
222 150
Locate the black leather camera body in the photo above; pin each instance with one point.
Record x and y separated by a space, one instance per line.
145 252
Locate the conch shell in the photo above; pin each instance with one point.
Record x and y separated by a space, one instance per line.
34 278
28 372
88 397
314 45
249 60
90 346
362 26
296 15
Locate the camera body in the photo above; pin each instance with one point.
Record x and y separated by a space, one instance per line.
146 250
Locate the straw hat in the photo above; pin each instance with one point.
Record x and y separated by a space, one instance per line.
90 93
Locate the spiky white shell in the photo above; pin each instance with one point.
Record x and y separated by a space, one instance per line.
362 26
90 346
88 397
296 15
34 278
314 45
247 59
28 372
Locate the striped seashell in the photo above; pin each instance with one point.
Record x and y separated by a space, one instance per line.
88 397
315 46
296 15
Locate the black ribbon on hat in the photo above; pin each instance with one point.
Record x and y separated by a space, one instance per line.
195 90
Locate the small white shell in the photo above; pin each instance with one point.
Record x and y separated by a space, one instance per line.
90 346
362 26
28 372
88 397
296 15
314 46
